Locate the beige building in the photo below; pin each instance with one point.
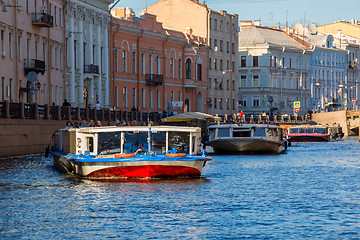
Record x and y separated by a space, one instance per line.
32 40
221 32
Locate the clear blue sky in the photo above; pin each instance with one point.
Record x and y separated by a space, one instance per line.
271 12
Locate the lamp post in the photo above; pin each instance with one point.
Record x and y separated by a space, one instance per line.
4 9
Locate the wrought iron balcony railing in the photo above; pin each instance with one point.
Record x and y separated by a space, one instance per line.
154 79
34 65
91 69
42 19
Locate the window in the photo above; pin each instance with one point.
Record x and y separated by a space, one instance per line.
28 52
243 102
188 68
11 90
134 97
158 98
215 24
157 65
180 96
150 98
256 101
227 26
227 103
220 103
221 45
243 80
233 48
220 25
125 97
227 47
172 67
143 63
2 43
180 67
283 62
233 104
124 61
151 60
271 60
221 65
56 58
10 47
243 61
55 15
233 85
2 88
143 98
215 64
255 61
255 80
199 72
215 45
215 103
227 84
210 64
290 63
134 62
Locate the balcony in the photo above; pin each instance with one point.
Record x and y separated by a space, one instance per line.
94 69
154 79
42 19
34 65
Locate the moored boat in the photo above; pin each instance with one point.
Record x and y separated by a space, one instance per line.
130 152
313 133
247 138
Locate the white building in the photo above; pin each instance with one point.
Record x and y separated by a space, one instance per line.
274 71
87 37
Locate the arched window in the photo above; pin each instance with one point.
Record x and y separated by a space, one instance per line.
188 68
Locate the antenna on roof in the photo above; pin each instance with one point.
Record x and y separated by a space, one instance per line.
305 14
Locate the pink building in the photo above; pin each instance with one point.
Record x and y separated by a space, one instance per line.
32 41
154 68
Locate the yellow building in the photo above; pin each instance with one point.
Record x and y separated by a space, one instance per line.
352 29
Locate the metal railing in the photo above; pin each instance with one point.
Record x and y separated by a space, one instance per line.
154 79
42 19
91 69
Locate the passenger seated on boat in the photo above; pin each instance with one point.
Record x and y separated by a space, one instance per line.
68 125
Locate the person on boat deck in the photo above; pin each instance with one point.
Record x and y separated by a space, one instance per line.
76 124
91 123
110 123
84 123
68 125
98 123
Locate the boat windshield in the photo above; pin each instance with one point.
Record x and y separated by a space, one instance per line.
318 130
110 143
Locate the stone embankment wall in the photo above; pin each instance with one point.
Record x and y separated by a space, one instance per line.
331 118
24 137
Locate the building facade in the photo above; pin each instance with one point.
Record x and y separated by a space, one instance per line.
154 68
220 30
87 65
274 71
347 36
32 42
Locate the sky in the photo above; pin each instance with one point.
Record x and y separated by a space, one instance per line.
273 12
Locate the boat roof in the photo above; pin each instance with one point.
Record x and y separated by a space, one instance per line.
108 129
309 126
244 126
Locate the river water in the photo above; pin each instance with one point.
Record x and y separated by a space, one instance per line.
312 192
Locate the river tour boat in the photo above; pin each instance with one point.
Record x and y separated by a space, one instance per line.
247 138
130 152
313 133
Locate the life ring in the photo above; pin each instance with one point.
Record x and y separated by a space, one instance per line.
126 155
175 154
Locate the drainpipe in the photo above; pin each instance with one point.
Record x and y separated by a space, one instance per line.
164 71
66 2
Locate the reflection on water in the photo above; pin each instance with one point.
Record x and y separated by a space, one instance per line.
313 191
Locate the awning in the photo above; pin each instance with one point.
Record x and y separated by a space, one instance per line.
189 116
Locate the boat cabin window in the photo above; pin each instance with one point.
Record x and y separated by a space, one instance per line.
242 132
318 130
90 144
259 132
223 132
180 141
212 133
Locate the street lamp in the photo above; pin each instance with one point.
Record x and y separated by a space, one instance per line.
4 9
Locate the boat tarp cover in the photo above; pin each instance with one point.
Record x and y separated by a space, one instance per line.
189 116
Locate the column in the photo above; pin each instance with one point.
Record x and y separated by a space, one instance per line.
90 60
98 58
72 62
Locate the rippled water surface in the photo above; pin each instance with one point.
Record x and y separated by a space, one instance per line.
312 192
